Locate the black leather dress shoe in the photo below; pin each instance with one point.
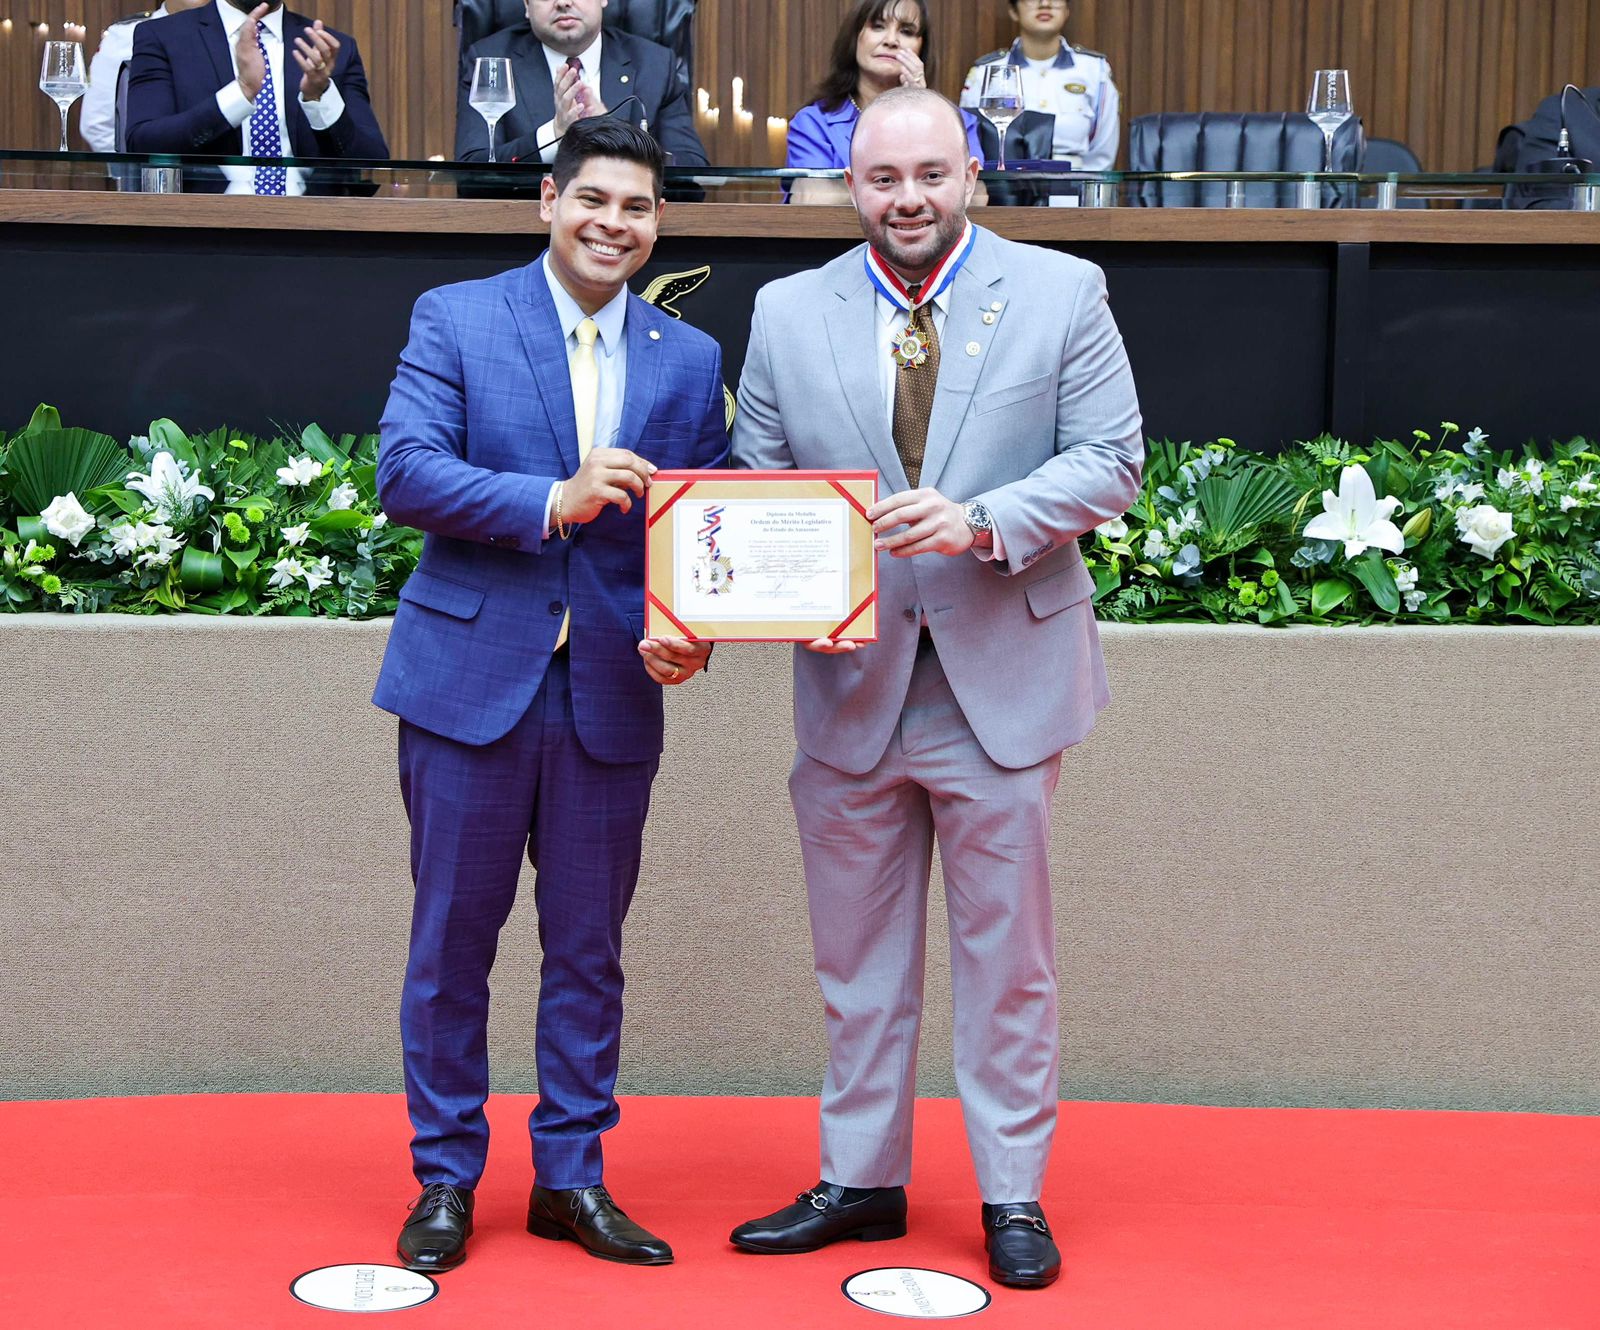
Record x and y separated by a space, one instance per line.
589 1217
1022 1253
826 1214
435 1237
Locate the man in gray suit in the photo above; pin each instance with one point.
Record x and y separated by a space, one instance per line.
987 383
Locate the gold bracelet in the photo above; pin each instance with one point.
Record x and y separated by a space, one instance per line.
561 494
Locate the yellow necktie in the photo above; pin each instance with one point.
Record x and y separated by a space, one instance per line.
585 370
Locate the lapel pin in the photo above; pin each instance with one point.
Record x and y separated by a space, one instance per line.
655 335
973 348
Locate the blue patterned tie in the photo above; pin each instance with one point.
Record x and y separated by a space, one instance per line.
265 140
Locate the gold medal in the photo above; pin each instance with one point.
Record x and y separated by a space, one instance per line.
910 351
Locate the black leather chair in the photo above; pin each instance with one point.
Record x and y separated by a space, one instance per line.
668 23
1234 141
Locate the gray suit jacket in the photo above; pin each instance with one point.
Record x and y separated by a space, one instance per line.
1035 415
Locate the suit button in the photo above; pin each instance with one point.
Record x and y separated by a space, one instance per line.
911 616
556 607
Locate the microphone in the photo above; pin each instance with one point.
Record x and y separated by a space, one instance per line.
1564 163
610 114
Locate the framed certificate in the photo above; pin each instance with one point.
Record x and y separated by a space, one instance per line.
761 556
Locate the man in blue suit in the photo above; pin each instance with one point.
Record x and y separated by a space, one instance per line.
247 78
527 416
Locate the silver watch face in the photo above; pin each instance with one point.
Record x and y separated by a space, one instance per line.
978 517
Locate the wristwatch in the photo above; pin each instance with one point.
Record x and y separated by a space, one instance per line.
977 517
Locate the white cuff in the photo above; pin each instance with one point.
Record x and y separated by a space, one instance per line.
550 508
543 137
326 110
234 105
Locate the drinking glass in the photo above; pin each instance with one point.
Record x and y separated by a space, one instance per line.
494 91
62 79
1000 100
1329 107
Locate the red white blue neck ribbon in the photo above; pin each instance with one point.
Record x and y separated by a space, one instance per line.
895 291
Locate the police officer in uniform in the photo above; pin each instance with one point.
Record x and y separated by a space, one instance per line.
1069 84
97 122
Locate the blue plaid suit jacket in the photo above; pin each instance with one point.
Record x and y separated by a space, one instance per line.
478 428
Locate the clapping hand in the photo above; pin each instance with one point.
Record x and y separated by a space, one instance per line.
315 53
247 54
575 100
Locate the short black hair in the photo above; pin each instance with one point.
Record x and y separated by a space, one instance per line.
606 136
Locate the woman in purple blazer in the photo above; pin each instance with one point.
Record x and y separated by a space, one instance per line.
878 46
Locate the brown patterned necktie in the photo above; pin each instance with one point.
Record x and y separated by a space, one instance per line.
914 386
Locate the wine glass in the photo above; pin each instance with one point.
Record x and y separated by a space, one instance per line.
494 91
1329 107
62 79
1000 101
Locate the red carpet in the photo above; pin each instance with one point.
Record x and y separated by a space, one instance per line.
198 1211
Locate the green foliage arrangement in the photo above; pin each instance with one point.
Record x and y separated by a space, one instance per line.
216 523
1427 530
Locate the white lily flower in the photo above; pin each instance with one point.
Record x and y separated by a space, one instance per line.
296 535
343 496
1405 578
318 573
1474 442
66 518
1527 479
381 520
1569 502
300 471
1155 545
1585 484
1115 529
171 492
285 571
1356 516
1484 528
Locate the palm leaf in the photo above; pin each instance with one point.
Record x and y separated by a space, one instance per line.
1236 506
44 464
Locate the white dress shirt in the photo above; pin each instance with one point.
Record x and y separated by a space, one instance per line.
238 109
97 121
546 137
611 358
891 320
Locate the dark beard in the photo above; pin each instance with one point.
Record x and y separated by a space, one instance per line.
945 235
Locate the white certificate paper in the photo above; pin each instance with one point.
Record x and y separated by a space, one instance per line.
757 559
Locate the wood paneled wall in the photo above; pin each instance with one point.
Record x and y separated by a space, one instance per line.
1442 75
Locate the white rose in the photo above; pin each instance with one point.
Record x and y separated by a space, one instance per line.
1484 528
1115 529
66 518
